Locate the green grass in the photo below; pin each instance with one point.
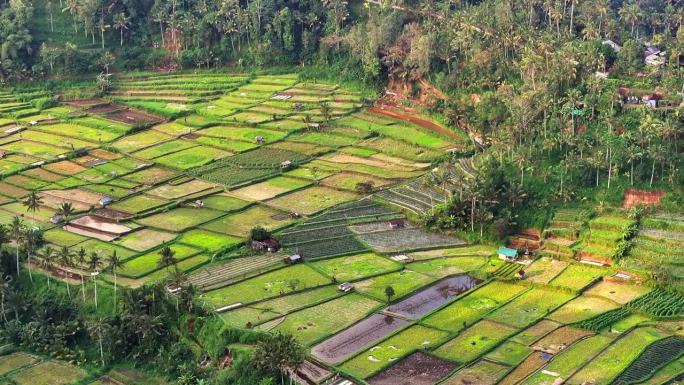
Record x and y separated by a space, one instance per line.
612 361
267 310
530 307
570 360
577 276
582 308
149 262
324 139
102 124
191 157
61 237
481 372
224 202
356 267
311 200
241 223
184 265
510 353
85 133
180 219
266 286
49 373
270 188
178 190
475 341
226 144
209 240
244 134
314 323
145 239
164 148
473 306
15 361
392 349
138 204
443 267
39 150
140 140
403 283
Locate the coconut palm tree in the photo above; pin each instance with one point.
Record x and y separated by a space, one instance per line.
47 256
32 239
32 203
167 258
97 330
65 257
121 22
114 263
94 263
81 260
65 209
17 232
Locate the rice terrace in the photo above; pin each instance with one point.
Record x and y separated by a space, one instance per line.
335 192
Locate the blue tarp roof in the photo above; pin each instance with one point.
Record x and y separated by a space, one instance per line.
507 252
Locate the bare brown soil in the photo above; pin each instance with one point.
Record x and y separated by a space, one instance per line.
133 117
85 102
104 109
635 197
343 345
433 297
432 126
417 369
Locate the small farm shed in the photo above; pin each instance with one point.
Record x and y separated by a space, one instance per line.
507 254
270 245
292 259
104 201
397 224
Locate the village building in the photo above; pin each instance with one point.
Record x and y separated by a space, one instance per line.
507 254
270 245
397 224
292 259
615 46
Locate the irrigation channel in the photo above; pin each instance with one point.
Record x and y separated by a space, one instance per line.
351 340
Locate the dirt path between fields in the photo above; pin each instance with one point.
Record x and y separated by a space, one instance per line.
432 126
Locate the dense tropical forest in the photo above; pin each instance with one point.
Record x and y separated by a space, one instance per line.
562 103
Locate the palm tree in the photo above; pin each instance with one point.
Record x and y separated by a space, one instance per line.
17 233
4 235
47 257
389 293
66 260
94 264
167 258
81 259
121 22
114 264
65 209
177 278
326 112
32 239
32 203
97 329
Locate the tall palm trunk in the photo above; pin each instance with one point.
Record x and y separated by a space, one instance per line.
83 288
28 263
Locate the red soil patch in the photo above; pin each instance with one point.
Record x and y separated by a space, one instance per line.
417 121
85 102
635 197
104 109
133 117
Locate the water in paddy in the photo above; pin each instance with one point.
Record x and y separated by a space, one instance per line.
344 344
426 300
